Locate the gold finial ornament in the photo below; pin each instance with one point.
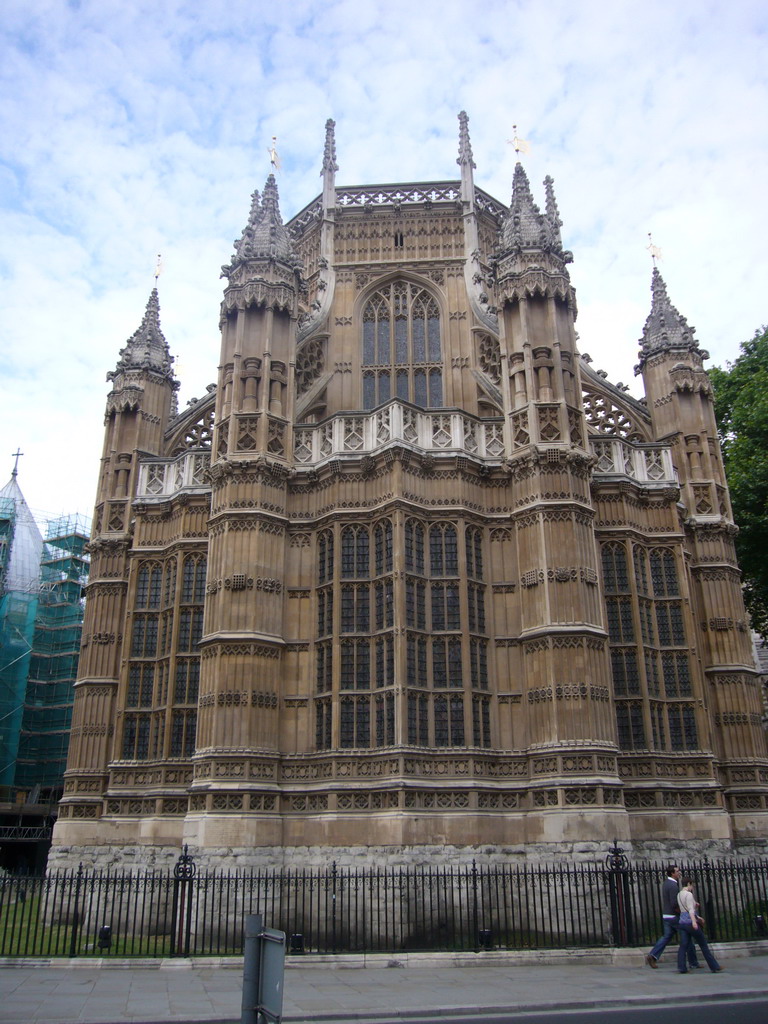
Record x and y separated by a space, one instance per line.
654 250
520 145
274 157
158 267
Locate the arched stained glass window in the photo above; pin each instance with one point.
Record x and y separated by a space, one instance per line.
402 352
615 575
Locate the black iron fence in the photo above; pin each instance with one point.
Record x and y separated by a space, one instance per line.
338 910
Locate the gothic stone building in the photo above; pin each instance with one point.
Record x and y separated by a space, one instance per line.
411 577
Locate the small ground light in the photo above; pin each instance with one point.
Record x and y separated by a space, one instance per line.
297 943
105 937
760 925
486 939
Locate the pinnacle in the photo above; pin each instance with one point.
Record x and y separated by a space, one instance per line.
246 240
465 146
553 214
665 327
265 235
524 225
520 184
329 154
147 347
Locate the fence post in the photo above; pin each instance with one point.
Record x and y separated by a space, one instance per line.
181 923
618 889
333 907
76 912
475 917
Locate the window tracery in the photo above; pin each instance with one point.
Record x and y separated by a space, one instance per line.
198 434
401 347
658 654
444 647
489 357
605 417
163 673
310 364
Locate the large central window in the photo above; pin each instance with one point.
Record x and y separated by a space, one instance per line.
402 603
401 347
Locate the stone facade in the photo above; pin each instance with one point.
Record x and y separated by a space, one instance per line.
411 577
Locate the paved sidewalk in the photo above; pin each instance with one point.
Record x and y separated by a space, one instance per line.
359 988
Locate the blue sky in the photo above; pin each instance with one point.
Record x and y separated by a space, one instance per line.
134 128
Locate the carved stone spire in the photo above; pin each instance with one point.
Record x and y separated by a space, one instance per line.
465 146
265 235
329 154
524 225
531 255
245 243
665 329
553 214
464 160
328 172
147 348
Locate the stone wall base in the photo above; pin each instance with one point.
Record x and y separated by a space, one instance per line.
144 857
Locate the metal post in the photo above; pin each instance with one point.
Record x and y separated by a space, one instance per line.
475 919
251 969
76 913
183 874
618 887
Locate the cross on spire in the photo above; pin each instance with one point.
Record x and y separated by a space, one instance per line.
16 455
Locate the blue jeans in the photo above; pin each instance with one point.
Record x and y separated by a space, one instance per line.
670 927
689 935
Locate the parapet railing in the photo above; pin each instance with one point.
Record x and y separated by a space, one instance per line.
447 432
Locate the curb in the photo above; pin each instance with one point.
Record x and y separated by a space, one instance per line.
457 1014
616 957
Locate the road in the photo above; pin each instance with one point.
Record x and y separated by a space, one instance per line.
717 1011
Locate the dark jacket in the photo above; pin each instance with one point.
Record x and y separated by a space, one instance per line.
669 891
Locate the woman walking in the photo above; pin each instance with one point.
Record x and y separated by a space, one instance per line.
691 930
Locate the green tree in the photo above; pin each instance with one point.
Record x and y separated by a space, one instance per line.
741 409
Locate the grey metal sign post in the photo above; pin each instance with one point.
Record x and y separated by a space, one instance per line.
263 972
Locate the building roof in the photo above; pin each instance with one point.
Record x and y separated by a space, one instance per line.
23 572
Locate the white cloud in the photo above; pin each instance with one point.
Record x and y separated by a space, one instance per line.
132 129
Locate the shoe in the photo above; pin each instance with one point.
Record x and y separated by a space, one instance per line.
695 967
651 961
682 972
717 970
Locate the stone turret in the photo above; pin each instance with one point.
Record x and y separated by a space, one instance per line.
539 313
139 409
259 314
681 403
562 628
253 445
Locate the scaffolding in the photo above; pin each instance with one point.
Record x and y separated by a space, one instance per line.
47 714
18 606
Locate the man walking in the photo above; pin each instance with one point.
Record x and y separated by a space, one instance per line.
670 914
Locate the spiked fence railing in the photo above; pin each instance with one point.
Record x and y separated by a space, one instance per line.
185 912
